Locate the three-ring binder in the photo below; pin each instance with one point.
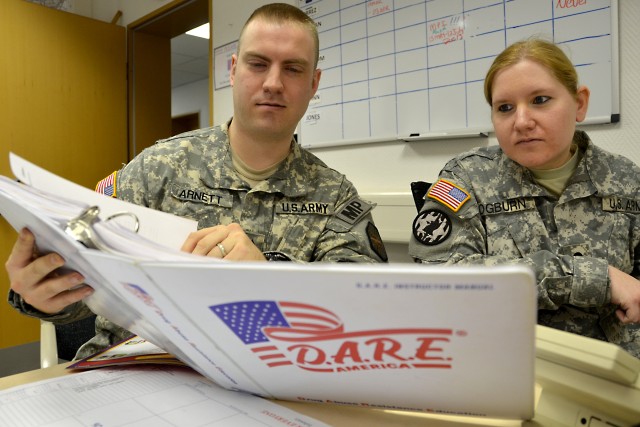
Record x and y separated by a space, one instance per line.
81 227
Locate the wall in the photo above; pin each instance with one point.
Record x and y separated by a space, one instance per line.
390 166
192 98
105 10
64 98
185 99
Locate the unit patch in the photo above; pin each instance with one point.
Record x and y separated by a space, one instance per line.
376 242
448 194
431 227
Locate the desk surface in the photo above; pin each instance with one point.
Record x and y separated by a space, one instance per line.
334 415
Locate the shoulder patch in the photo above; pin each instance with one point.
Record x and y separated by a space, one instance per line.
376 242
353 211
448 194
432 227
108 185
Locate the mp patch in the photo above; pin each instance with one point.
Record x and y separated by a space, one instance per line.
354 210
431 227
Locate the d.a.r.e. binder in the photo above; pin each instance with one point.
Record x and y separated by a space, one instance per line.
400 336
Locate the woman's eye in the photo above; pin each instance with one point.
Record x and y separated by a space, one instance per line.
504 108
540 99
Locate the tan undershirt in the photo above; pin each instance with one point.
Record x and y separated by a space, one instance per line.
252 176
555 180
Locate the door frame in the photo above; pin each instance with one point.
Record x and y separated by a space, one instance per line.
149 69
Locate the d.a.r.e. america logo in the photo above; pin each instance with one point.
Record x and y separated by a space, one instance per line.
283 333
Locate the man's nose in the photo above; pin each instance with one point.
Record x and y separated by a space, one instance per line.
273 81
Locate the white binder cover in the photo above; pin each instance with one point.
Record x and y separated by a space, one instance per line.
442 340
399 336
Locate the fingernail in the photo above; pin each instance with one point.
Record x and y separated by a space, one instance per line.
56 260
76 278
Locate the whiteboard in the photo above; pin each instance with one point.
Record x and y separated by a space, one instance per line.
414 69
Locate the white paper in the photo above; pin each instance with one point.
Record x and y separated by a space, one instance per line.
161 227
139 397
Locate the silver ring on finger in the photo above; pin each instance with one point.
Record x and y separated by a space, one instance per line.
223 252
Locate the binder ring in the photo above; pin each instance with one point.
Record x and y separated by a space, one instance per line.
136 225
81 229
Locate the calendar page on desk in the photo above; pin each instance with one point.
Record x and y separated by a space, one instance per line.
396 68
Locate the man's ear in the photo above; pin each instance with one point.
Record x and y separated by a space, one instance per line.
232 73
316 80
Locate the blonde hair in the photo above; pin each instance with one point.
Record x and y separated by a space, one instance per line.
545 53
280 13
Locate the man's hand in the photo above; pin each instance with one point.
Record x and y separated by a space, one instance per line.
223 241
36 280
625 293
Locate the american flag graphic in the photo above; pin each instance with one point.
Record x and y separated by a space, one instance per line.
108 185
256 322
449 194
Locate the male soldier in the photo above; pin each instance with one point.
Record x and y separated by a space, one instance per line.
256 194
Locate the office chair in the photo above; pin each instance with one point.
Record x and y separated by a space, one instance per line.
60 342
419 191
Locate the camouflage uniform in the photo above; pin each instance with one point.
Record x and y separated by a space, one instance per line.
304 212
489 211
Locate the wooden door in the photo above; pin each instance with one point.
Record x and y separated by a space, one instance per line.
149 52
63 106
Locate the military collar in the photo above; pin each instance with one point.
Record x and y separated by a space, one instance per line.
216 167
513 175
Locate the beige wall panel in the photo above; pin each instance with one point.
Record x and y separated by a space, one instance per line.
63 106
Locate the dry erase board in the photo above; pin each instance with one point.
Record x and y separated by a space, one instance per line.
395 68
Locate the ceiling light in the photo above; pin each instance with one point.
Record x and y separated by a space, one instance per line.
201 31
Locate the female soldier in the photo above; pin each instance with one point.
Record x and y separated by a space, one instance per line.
546 197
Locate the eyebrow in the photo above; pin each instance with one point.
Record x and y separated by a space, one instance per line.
537 92
257 55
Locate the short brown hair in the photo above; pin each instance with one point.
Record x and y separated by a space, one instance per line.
280 13
545 53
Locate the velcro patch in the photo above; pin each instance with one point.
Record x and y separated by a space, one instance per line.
375 240
108 185
432 227
448 194
318 208
222 199
353 211
620 204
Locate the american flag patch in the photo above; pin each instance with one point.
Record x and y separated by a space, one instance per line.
108 185
449 194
